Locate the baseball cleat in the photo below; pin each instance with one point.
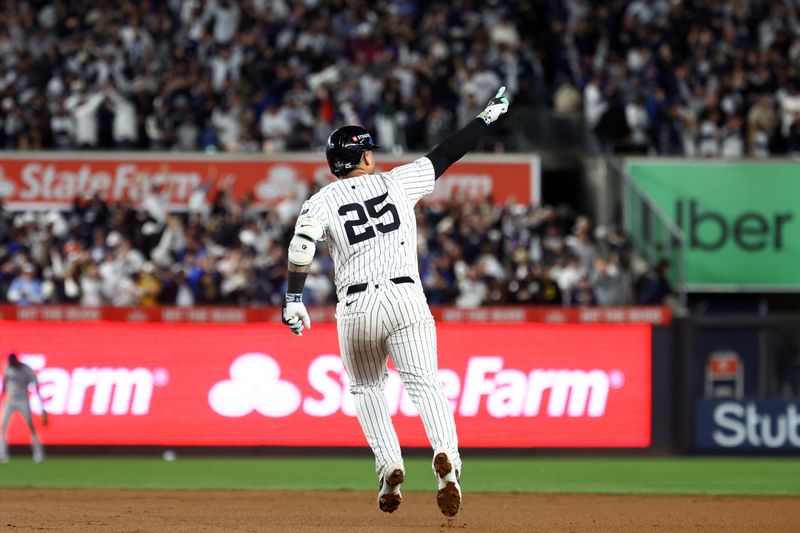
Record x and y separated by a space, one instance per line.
389 496
448 498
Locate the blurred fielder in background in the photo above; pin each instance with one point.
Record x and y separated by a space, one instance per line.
16 380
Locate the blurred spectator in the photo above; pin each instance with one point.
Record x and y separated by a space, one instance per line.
790 106
148 286
638 122
158 127
68 289
471 288
709 136
125 131
654 287
582 294
84 114
566 99
732 141
594 102
607 283
63 129
275 129
91 287
226 119
581 245
762 121
26 288
187 136
225 14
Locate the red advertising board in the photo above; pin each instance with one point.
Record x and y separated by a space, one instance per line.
29 181
656 315
510 385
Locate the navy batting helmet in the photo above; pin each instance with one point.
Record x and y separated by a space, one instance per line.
346 147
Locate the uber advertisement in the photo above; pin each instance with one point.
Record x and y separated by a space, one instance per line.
740 219
747 425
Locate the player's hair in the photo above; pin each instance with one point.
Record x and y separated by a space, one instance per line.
13 360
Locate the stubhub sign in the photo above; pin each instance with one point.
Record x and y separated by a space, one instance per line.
509 385
755 425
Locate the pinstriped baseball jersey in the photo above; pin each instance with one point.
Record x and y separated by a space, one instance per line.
372 229
370 224
16 380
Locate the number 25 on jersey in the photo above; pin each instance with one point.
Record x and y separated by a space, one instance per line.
358 230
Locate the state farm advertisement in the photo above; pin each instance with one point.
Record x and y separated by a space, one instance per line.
55 180
510 385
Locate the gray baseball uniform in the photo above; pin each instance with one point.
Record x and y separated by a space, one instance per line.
16 381
370 224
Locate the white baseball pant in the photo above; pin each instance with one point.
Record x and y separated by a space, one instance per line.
24 408
394 320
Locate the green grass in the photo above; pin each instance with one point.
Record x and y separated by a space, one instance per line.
780 476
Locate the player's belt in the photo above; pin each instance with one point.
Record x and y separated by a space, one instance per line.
361 287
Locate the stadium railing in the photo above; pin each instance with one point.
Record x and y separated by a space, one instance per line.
655 235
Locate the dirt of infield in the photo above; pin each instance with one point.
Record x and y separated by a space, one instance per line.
184 510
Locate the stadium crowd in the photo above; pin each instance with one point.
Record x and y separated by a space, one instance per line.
694 77
226 252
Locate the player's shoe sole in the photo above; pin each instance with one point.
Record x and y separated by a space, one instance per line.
448 497
389 497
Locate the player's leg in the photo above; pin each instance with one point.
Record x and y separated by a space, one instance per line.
412 346
36 445
7 410
413 350
361 345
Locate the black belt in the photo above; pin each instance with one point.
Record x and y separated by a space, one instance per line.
361 287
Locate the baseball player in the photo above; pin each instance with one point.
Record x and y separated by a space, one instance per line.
369 222
18 376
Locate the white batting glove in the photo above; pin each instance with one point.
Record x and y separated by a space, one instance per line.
496 107
296 317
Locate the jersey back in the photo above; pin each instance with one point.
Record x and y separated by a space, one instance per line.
370 224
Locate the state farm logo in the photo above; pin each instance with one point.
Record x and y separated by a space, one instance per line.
106 390
255 384
556 392
281 181
61 181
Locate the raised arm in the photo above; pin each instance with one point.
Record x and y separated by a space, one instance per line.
455 145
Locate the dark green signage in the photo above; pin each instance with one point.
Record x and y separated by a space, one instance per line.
741 221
